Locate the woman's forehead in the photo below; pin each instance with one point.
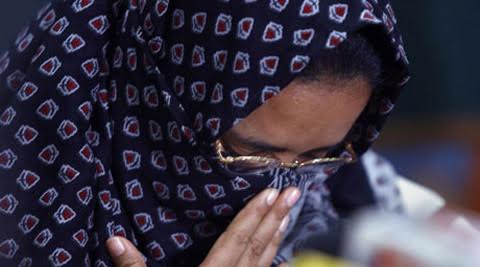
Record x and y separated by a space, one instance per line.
306 114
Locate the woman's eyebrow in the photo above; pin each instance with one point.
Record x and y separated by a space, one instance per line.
264 146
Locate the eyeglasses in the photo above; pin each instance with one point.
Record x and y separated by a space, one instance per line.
256 164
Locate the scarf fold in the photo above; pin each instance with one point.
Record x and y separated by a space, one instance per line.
108 109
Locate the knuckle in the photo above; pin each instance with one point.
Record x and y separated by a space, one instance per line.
278 215
239 237
132 261
256 248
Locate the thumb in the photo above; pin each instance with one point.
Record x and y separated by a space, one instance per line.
124 253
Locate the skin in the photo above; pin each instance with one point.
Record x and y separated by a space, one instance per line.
302 122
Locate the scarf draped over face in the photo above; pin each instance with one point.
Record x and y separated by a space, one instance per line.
108 109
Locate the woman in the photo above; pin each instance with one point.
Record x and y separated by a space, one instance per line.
130 118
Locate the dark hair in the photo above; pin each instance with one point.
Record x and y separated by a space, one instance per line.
354 57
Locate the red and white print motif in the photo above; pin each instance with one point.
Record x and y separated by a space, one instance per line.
214 191
7 159
131 159
241 64
73 43
181 165
182 240
59 257
269 92
156 251
47 20
15 80
48 197
202 165
220 59
245 27
223 210
58 27
27 179
23 45
166 215
103 118
338 12
49 154
161 190
132 96
369 17
185 192
239 97
158 160
269 65
217 94
299 63
50 66
143 221
26 135
132 59
199 20
303 37
150 96
309 8
223 25
42 239
213 124
64 214
273 32
178 19
198 56
199 90
90 67
68 85
99 24
134 190
161 7
7 116
335 38
81 5
278 5
81 237
240 184
177 52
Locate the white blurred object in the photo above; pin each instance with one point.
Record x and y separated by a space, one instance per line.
418 201
430 243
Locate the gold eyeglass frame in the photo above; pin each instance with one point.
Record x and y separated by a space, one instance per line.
220 149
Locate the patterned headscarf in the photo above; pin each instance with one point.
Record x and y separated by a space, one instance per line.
108 110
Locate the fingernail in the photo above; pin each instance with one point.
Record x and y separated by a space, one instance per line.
271 197
284 224
116 246
293 197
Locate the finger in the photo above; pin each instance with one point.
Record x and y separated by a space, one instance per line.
123 253
229 247
284 265
268 227
271 251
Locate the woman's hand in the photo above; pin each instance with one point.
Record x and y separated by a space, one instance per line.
252 239
124 253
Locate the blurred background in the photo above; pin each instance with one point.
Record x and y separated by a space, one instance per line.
434 136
